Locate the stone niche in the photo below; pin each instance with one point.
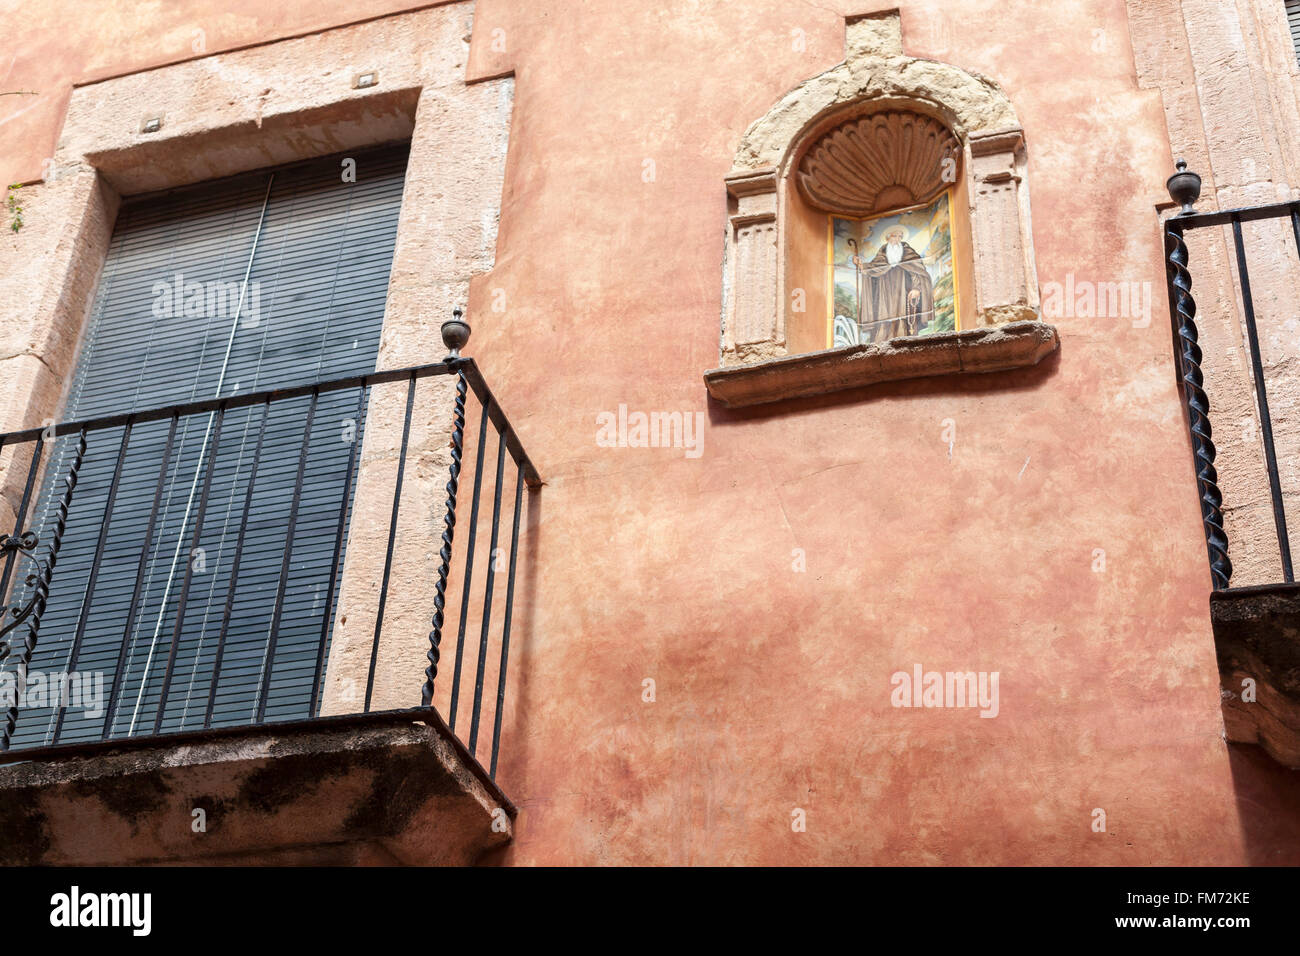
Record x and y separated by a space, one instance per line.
878 135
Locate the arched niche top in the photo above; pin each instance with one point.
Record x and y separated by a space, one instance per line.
878 159
875 70
860 139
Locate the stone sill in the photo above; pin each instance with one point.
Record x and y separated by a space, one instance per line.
993 348
1257 635
394 787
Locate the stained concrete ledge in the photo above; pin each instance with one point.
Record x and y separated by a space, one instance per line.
373 789
994 348
1257 636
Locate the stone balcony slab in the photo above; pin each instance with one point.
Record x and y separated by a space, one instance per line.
994 348
390 788
1257 640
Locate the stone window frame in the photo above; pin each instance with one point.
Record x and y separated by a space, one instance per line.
264 106
755 365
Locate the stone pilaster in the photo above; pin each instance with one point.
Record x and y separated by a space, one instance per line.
1006 286
753 322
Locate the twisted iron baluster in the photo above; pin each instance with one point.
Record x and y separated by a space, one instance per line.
1198 408
444 553
42 585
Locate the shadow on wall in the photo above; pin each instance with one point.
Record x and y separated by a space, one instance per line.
513 753
523 647
1268 805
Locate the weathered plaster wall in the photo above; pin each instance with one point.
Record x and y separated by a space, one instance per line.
951 524
773 686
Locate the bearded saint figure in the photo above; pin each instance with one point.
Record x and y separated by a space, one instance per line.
895 292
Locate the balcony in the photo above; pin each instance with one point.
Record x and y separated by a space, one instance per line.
1248 482
231 621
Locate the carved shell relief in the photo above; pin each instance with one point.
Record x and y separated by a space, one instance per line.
878 162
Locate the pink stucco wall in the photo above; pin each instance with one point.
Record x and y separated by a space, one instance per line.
772 685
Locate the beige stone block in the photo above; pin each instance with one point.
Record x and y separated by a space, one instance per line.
267 104
48 272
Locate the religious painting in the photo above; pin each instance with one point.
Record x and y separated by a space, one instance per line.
893 275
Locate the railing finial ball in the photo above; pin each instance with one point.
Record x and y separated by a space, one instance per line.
455 333
1184 188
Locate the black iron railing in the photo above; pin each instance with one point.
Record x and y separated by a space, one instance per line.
191 557
1185 187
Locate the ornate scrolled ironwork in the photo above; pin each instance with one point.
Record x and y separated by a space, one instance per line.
39 581
449 527
17 613
1198 407
27 541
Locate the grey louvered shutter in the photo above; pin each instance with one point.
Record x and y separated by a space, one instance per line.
308 255
1293 21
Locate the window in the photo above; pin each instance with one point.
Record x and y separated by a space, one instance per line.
259 281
